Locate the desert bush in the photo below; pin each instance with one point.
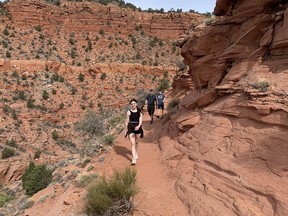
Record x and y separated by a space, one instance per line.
38 28
92 123
141 95
6 109
173 103
30 103
101 32
103 76
8 152
163 84
11 143
263 86
8 54
4 198
45 95
6 32
37 154
91 146
73 90
81 77
85 179
36 178
108 139
113 196
61 105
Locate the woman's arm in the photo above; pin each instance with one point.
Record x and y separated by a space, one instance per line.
127 120
140 122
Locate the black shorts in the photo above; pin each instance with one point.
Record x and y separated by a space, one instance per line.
161 106
151 110
131 129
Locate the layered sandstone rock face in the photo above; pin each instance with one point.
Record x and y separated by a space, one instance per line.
228 142
88 16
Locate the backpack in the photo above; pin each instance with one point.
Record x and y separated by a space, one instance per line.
151 99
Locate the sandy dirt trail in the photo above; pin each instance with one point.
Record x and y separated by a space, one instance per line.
157 196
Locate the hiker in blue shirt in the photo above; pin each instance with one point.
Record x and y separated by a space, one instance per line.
150 102
160 103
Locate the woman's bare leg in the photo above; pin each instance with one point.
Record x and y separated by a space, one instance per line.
133 145
137 138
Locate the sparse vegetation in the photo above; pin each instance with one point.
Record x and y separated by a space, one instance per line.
113 196
108 139
86 179
4 198
36 178
92 123
8 152
163 84
103 76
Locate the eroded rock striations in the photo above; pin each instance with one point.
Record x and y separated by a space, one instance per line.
228 142
87 16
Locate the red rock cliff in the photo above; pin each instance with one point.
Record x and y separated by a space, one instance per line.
88 16
228 142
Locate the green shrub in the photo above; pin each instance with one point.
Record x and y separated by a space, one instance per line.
11 143
8 54
163 84
108 139
8 152
55 135
173 103
36 178
30 103
6 109
101 32
4 198
6 32
103 76
37 153
263 86
38 28
81 77
114 196
45 95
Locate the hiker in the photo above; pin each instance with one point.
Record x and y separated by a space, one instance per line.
160 103
150 101
134 128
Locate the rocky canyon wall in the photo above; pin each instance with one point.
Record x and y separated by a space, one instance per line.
227 141
91 17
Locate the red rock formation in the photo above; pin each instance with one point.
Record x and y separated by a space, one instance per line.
230 150
87 16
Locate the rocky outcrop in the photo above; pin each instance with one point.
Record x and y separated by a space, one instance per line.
229 143
91 17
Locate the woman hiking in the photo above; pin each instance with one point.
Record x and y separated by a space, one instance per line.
134 129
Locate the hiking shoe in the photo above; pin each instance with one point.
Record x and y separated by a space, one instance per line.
133 162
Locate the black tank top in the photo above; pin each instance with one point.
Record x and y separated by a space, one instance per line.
134 116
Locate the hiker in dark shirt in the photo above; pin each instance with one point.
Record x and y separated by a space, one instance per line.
160 103
133 128
150 102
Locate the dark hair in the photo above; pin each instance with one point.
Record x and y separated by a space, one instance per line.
134 100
